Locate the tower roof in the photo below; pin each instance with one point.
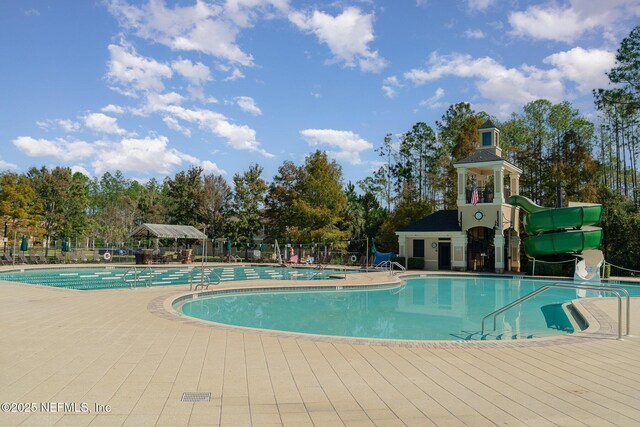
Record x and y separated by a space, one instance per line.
488 125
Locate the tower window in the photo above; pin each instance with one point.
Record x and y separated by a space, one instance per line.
486 139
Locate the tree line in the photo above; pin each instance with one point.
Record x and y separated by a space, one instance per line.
559 150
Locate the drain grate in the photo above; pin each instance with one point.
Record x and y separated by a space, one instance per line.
196 396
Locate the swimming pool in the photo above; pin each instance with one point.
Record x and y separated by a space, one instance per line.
124 277
423 308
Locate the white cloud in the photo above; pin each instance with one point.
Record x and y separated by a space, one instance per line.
348 36
389 86
134 73
568 23
102 123
149 154
81 169
474 34
202 27
480 5
64 124
236 74
432 102
174 124
586 67
509 88
209 167
196 74
7 165
113 109
350 144
60 148
240 137
248 104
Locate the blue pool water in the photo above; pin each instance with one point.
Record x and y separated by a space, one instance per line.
124 277
424 308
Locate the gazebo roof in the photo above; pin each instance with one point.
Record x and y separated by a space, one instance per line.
166 231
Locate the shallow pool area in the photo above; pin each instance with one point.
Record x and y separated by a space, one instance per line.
422 308
91 278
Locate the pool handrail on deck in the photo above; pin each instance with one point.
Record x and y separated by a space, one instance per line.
617 290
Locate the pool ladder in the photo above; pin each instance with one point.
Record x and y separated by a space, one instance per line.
205 272
137 275
616 290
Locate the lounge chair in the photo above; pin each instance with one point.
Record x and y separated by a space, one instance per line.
22 258
42 259
34 259
8 258
60 258
83 258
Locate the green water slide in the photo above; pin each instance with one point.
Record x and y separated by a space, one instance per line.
562 230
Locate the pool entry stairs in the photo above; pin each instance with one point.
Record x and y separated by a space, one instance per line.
570 230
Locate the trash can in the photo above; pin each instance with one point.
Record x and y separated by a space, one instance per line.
147 256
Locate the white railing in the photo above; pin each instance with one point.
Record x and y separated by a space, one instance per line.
207 273
616 290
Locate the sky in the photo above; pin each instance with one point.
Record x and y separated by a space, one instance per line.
154 87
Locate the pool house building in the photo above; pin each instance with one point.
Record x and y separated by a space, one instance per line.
482 233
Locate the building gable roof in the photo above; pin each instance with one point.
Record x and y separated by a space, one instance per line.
445 220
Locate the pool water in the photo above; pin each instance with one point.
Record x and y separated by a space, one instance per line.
423 308
124 277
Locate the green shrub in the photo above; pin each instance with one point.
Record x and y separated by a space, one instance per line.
399 260
413 263
606 271
416 264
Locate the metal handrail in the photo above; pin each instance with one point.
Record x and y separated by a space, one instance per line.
384 265
204 272
396 264
611 289
137 275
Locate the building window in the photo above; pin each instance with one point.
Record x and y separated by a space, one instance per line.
418 248
486 139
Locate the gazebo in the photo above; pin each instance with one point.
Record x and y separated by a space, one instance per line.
167 231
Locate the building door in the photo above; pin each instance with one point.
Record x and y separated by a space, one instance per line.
480 249
444 256
418 248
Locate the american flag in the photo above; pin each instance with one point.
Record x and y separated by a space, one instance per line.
474 195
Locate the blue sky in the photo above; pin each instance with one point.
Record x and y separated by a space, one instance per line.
153 87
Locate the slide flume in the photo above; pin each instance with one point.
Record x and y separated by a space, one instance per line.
562 230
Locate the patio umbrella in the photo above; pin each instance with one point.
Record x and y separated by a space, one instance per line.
229 246
24 245
65 245
373 246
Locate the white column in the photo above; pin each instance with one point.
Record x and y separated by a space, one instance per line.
514 247
498 244
459 254
498 177
462 186
515 183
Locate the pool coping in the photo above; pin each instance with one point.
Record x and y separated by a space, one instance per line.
599 324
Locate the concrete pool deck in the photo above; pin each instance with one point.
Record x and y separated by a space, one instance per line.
126 349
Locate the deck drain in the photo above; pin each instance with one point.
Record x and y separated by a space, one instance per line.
196 396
